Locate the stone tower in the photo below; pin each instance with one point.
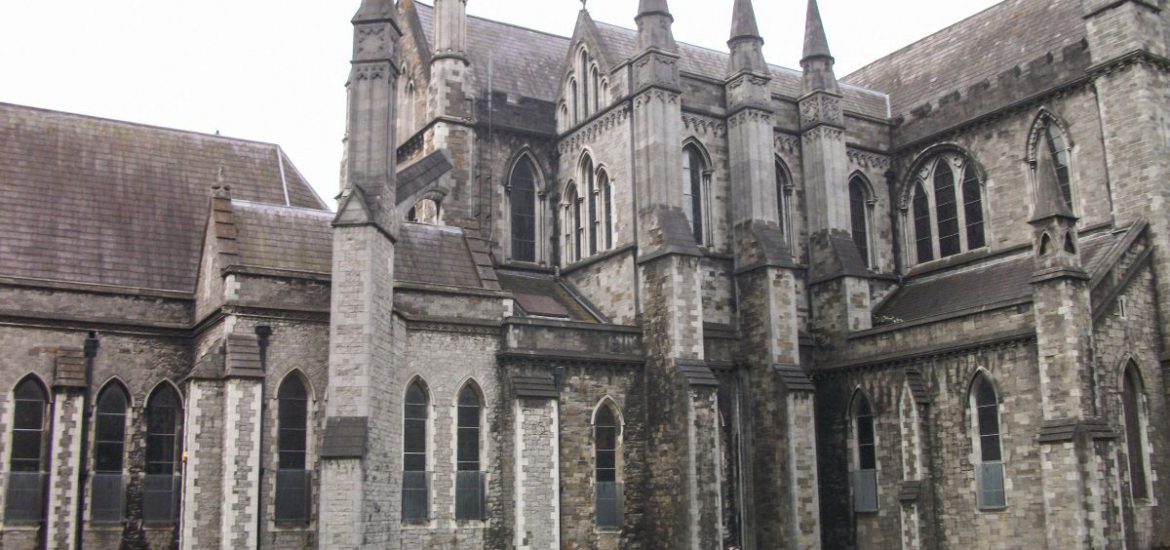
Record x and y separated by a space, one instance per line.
765 276
451 107
363 417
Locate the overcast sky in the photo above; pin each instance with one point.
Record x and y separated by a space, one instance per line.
274 70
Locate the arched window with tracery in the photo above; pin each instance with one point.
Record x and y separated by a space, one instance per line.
28 456
415 477
1047 132
595 81
574 228
293 488
590 179
859 216
1133 405
164 421
694 172
585 105
947 215
522 202
469 476
865 446
607 443
989 474
109 454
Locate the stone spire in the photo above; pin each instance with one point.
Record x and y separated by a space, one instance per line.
817 61
746 43
375 10
451 28
1050 201
654 22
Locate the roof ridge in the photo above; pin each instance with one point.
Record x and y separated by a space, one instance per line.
137 124
502 23
273 206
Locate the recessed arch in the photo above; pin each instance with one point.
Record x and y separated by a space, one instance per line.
942 204
165 383
929 155
610 402
1045 117
116 380
36 379
524 195
1134 422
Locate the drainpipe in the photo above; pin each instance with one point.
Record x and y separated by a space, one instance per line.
262 334
91 347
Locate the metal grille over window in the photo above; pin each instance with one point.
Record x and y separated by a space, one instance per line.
865 478
415 478
989 474
161 486
26 477
469 480
293 488
859 217
693 168
109 451
523 204
1131 401
609 494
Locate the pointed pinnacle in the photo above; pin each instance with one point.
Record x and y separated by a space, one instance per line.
647 7
816 44
375 10
743 21
1050 201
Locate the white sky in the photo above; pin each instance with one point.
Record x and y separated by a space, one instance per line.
274 70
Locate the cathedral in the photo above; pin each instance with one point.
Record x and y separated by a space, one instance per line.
611 291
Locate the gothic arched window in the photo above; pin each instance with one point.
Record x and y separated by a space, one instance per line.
989 472
1059 147
415 479
923 238
164 420
782 184
27 460
109 448
606 436
694 170
574 228
865 443
469 481
1135 425
576 102
947 207
590 179
596 83
585 84
859 216
522 201
292 437
607 205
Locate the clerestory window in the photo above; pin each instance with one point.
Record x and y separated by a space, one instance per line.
522 199
695 172
946 201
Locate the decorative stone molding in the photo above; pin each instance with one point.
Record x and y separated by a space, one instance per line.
594 130
788 144
821 108
750 115
824 132
704 125
866 159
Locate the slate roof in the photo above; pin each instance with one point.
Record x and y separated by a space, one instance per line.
97 201
1005 35
970 289
278 237
544 296
435 255
528 63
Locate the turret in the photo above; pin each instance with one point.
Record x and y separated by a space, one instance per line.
369 151
745 43
817 62
451 28
1057 251
654 22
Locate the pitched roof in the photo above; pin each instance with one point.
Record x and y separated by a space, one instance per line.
284 238
97 201
1008 34
985 285
435 255
528 63
543 295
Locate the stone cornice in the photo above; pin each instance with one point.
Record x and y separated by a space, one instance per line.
905 357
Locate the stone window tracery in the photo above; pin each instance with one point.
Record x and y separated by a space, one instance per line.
164 418
469 477
27 462
989 478
109 454
292 476
415 477
865 445
1132 402
607 446
946 208
522 201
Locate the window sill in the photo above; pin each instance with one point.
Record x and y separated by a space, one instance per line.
471 524
417 524
993 509
607 530
290 525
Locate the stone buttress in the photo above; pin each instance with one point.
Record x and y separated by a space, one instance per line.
684 511
361 469
782 470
